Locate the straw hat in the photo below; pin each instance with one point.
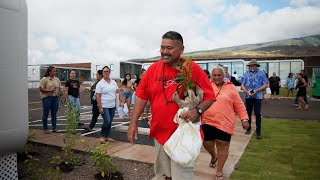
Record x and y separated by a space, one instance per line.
253 62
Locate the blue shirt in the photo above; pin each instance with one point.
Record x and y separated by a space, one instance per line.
253 80
291 82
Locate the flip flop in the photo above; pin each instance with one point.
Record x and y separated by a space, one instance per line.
213 163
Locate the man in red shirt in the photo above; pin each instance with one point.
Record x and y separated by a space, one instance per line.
158 86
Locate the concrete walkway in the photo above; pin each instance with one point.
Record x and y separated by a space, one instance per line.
145 153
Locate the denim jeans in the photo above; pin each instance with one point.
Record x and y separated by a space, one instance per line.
50 103
253 103
76 102
108 114
95 115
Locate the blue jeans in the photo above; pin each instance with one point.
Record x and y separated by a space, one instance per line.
108 114
50 103
95 115
75 102
127 95
253 103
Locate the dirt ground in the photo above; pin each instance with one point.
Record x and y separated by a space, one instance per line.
130 170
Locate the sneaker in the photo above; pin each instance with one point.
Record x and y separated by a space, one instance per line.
248 131
294 104
87 129
80 123
259 136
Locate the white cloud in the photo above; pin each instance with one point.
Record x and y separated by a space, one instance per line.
93 30
49 44
210 6
304 2
34 56
270 26
241 12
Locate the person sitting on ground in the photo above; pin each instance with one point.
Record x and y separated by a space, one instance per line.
218 122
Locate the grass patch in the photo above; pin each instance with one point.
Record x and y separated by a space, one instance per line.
283 92
289 150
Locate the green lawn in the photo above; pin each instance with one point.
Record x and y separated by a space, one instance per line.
289 150
283 92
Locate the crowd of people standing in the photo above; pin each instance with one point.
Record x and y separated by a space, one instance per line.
219 109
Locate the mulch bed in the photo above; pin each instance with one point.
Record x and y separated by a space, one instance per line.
127 169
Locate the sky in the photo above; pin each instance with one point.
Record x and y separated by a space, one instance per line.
77 31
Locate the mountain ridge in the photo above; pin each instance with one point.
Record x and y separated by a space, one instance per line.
294 47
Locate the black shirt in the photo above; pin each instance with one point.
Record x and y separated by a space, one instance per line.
305 78
274 81
73 86
93 91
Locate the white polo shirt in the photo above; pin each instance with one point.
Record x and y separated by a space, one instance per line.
108 93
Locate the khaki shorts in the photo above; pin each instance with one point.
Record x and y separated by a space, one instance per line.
164 166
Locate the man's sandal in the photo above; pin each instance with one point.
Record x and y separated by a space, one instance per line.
213 163
219 177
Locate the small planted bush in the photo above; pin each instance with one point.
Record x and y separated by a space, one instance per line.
68 161
36 170
101 160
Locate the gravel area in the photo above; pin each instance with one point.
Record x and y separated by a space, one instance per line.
130 170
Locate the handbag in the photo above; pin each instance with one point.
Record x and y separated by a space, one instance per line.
268 90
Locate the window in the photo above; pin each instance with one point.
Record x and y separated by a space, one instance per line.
263 67
273 67
97 67
284 70
33 71
296 67
111 67
203 65
212 65
237 66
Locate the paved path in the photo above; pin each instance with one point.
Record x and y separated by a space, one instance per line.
144 152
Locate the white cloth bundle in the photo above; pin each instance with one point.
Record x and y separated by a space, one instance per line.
185 143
